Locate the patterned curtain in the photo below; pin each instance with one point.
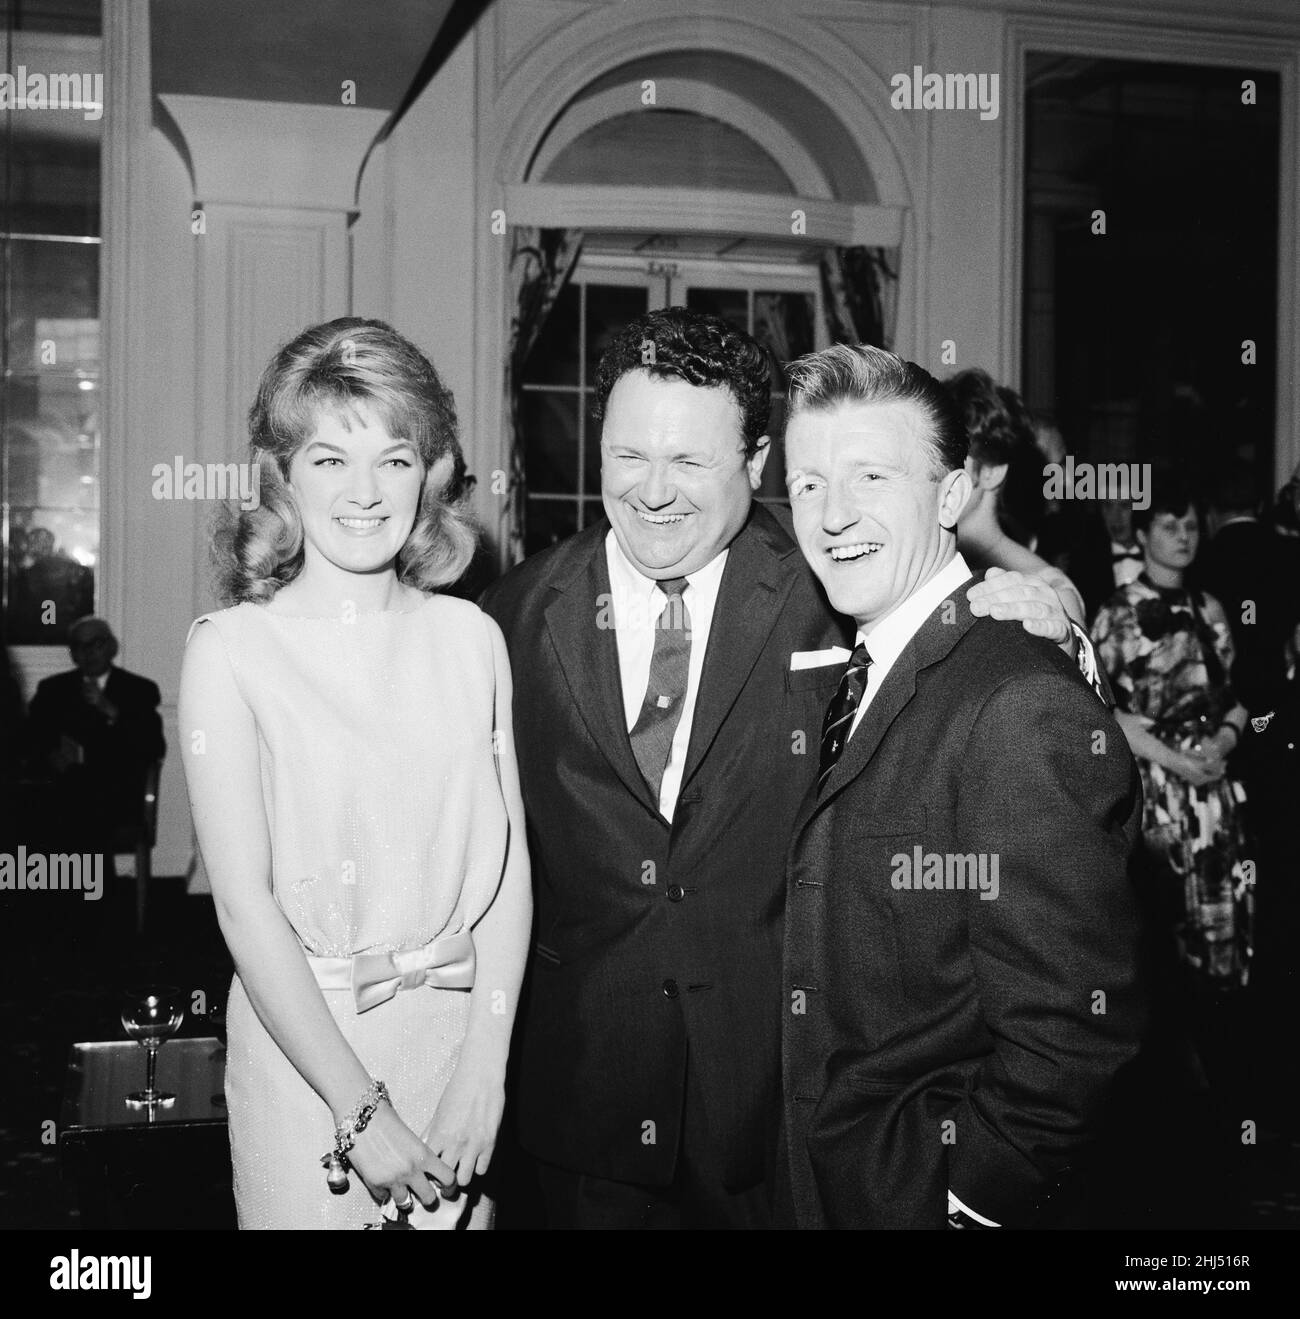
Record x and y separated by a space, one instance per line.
860 294
541 261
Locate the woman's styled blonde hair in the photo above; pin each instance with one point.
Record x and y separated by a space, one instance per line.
331 369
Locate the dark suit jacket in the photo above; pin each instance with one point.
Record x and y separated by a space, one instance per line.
906 1009
1250 561
655 941
117 756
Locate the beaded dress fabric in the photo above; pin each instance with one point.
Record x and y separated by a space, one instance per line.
388 828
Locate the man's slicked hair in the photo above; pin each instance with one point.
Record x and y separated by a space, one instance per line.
860 373
701 349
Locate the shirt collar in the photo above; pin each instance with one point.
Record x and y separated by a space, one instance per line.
889 637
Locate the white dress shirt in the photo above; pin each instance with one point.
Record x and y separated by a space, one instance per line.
887 638
636 605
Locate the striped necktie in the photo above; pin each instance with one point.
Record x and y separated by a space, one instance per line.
665 694
839 714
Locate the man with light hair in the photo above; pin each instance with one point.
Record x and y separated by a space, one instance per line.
946 1050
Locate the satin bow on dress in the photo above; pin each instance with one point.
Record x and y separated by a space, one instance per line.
446 962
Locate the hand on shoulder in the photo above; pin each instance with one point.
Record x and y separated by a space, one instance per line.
1033 599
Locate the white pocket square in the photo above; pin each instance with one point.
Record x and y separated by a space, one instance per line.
819 659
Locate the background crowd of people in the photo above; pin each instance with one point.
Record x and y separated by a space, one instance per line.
1193 603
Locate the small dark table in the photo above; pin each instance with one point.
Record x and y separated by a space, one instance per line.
157 1167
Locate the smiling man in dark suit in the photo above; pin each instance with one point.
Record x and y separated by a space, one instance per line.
672 663
960 941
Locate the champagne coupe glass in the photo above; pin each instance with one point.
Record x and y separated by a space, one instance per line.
150 1014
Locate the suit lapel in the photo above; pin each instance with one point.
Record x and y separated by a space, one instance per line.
754 587
933 641
588 655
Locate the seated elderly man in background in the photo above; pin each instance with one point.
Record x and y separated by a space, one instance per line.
97 728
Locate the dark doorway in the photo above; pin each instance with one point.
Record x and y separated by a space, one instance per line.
1133 338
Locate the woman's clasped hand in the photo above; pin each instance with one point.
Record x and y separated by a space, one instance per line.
392 1160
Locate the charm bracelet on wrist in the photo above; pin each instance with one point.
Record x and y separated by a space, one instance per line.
346 1133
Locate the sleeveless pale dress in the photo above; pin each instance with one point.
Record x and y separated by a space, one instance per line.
388 829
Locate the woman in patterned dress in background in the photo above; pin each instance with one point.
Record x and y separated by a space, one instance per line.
1168 654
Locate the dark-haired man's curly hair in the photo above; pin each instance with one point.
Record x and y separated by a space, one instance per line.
335 369
701 349
1001 432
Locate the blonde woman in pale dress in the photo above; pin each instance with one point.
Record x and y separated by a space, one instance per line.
348 748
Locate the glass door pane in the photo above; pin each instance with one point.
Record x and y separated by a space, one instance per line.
561 436
784 320
730 304
784 324
49 319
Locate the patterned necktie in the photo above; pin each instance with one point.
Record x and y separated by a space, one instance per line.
665 694
839 714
